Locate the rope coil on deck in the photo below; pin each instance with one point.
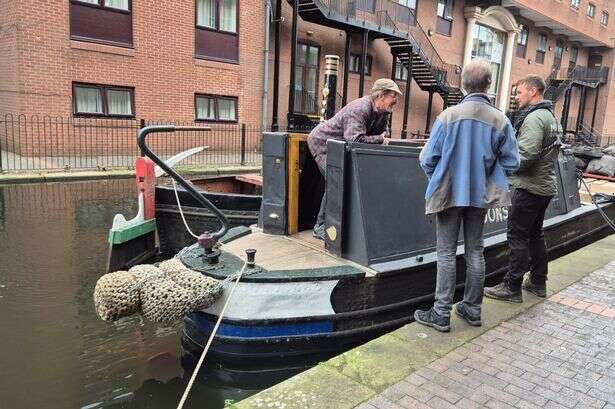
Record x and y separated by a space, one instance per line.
162 294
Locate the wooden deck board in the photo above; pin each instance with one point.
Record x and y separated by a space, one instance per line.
280 252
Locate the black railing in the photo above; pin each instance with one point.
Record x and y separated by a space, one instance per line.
400 21
580 73
35 143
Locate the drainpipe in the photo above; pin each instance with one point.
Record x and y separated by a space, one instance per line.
266 66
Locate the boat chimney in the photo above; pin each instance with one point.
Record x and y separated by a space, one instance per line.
329 91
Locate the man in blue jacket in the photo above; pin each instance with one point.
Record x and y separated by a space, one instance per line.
471 150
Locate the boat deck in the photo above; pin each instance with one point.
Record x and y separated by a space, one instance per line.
596 186
297 252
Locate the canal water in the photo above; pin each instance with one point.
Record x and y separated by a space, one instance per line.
55 351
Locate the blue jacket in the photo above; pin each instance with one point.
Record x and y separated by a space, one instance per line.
471 150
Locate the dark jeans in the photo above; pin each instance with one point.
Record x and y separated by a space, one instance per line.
526 239
320 220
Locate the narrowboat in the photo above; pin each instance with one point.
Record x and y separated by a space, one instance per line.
303 300
306 300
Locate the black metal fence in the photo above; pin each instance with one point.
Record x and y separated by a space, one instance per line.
36 143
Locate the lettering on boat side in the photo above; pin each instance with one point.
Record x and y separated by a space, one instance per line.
496 215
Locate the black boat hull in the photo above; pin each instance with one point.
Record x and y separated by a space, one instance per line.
368 307
241 209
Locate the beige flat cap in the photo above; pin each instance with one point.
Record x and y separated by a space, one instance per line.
385 84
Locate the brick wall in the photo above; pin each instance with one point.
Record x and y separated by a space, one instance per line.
9 46
43 62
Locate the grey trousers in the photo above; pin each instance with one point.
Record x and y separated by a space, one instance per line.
448 223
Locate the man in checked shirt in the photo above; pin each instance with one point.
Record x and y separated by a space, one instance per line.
364 120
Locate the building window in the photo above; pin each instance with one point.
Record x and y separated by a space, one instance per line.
103 100
220 15
407 12
355 62
101 21
488 44
575 4
401 71
604 19
366 5
444 25
542 48
574 54
591 10
112 4
306 78
522 41
216 30
215 108
559 53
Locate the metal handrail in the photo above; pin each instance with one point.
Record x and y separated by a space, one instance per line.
189 188
402 21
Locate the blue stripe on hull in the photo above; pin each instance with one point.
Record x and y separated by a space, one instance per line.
205 325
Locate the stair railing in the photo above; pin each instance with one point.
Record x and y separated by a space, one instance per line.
401 21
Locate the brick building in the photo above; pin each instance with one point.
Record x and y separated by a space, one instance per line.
205 59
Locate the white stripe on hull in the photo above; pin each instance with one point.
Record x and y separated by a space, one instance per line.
253 301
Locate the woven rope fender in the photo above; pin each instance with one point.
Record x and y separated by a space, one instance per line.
116 295
162 294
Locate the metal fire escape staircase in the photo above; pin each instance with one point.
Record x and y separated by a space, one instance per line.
398 26
561 80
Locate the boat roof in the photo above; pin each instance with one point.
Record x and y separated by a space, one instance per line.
300 251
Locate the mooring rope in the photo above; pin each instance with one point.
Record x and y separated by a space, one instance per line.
181 212
209 341
593 199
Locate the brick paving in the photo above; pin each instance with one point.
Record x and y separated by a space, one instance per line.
558 354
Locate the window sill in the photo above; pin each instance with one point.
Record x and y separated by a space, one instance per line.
102 116
93 45
575 9
215 30
212 61
216 121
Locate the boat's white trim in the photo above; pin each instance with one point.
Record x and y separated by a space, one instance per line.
254 301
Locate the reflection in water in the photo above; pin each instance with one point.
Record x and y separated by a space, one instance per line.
55 351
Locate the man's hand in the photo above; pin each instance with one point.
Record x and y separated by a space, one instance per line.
385 134
385 140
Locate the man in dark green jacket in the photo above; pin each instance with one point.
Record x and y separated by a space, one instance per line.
535 185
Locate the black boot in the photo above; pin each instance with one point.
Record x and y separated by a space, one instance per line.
503 292
539 290
470 319
432 319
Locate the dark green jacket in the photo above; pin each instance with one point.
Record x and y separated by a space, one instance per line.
536 174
